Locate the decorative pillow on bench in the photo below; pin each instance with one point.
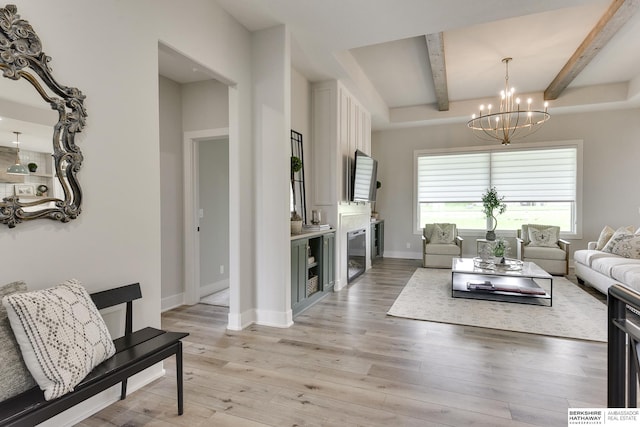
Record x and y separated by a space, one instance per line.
14 375
61 334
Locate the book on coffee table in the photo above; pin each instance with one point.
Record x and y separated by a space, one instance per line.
486 285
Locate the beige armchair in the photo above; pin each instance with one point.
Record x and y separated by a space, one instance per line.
440 244
541 244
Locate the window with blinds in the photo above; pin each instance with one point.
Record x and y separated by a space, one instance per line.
538 185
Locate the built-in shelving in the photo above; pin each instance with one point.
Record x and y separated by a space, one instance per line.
312 268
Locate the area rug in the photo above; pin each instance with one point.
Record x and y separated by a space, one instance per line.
574 314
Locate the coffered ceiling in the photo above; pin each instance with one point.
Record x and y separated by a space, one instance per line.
417 62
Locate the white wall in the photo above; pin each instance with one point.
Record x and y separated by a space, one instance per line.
108 49
171 200
205 105
213 169
301 122
272 125
610 172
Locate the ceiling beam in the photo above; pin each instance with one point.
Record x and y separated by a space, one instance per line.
435 48
613 19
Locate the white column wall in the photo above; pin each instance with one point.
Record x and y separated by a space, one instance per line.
272 124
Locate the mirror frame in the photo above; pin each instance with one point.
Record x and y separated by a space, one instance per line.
21 55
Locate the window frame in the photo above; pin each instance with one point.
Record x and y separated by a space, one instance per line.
577 144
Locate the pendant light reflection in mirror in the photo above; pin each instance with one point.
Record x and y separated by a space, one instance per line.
18 168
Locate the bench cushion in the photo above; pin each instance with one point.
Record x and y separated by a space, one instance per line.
64 315
14 375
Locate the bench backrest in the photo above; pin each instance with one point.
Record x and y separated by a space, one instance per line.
124 294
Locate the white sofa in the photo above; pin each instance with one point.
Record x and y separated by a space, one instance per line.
603 269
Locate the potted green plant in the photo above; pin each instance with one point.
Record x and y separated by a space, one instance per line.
499 250
492 205
32 167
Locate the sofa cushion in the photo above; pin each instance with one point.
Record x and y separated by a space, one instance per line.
441 249
604 265
624 243
628 274
545 253
61 334
586 256
14 375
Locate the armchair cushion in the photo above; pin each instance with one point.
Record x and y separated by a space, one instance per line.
443 233
543 235
442 249
543 252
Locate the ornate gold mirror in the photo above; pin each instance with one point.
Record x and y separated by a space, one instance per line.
36 180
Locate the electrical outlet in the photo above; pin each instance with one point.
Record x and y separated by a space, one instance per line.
221 269
408 245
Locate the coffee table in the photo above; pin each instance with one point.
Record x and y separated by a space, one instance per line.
516 281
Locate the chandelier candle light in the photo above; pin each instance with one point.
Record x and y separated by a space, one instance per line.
510 122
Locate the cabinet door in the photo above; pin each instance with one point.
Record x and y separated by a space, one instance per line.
298 270
328 258
380 238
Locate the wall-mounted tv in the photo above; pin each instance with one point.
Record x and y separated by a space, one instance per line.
363 182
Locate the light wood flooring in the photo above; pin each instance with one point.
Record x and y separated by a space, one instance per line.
346 363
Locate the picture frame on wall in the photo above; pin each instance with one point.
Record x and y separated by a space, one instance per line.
24 190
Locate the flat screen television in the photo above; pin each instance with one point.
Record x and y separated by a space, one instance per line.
363 180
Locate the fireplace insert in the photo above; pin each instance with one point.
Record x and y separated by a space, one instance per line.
356 253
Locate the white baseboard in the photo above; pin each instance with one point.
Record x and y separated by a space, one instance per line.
239 321
84 410
172 301
403 255
276 319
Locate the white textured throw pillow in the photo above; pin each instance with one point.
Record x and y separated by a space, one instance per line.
61 334
605 236
624 243
546 237
443 233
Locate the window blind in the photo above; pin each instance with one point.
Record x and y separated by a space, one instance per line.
519 175
453 178
547 175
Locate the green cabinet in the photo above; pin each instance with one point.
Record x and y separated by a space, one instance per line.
312 269
377 239
328 262
298 270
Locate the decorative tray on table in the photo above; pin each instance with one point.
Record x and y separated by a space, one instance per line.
495 263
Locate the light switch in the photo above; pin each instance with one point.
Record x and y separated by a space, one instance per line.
201 213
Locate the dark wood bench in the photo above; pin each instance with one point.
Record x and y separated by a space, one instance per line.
135 351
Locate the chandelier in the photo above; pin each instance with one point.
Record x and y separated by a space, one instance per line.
512 121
